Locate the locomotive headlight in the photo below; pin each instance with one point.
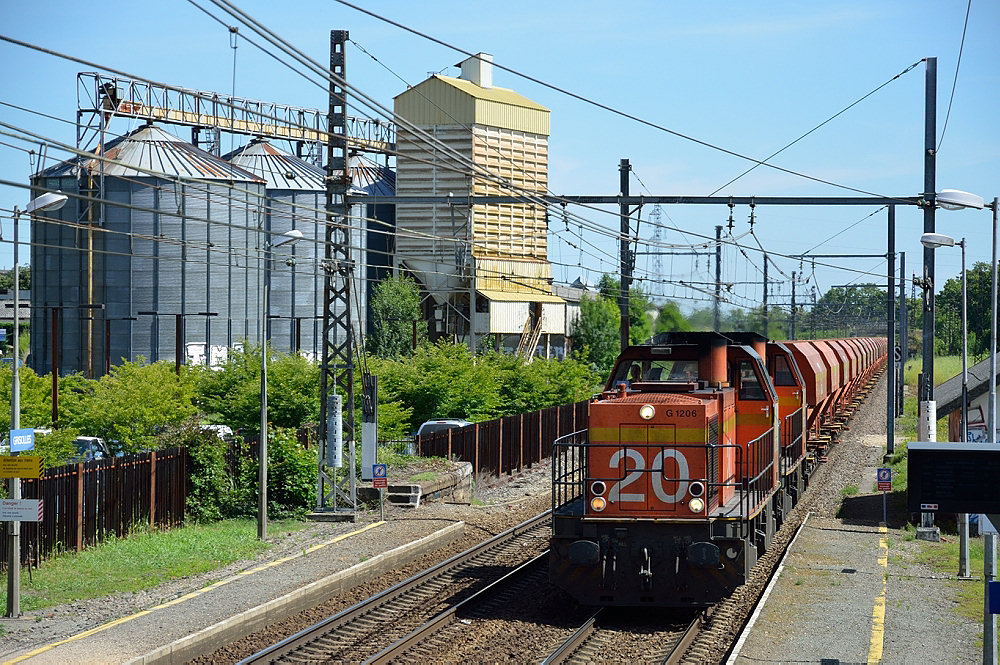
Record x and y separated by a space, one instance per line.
696 505
598 487
646 411
598 504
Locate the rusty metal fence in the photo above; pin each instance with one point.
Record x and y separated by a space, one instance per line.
509 444
84 504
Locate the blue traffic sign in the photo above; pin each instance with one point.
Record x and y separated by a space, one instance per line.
379 471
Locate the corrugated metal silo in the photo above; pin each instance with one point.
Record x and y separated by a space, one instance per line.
296 196
173 244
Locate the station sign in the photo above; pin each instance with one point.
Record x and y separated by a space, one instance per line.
21 467
952 477
22 439
20 510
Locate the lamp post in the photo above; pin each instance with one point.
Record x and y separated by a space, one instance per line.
47 201
953 199
933 241
286 238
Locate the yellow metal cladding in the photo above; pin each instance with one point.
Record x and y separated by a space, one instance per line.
506 134
443 100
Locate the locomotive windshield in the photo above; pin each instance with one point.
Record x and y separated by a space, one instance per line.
656 370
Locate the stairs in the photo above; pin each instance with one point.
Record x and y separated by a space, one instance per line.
404 495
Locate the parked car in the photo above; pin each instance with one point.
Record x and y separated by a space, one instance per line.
90 448
439 425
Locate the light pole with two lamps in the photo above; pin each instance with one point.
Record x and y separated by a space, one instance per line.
953 199
42 203
933 241
269 246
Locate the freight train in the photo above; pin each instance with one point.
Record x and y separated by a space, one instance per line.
694 454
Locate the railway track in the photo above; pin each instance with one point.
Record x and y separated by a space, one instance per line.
366 629
595 641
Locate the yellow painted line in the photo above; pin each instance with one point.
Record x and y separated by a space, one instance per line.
188 596
878 613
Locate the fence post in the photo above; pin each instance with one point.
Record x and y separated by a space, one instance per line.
541 422
475 453
79 507
152 488
500 464
449 444
520 442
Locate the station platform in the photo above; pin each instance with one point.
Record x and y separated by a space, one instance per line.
857 592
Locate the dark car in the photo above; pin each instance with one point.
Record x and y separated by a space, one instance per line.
90 448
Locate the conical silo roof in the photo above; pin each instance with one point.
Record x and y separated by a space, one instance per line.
280 170
149 148
370 178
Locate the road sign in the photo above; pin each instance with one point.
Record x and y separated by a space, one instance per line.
21 467
380 476
22 439
884 480
897 353
20 510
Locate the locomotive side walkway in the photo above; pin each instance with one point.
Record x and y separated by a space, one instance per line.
852 590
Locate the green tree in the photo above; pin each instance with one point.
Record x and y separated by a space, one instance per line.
130 404
671 319
23 278
231 395
395 306
640 322
596 336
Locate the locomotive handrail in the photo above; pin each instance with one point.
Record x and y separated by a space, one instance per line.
792 447
569 469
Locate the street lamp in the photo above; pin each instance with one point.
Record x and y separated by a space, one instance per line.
933 241
45 202
284 239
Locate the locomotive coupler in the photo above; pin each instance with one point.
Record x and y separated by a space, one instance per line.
646 571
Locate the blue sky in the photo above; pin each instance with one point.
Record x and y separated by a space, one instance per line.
748 77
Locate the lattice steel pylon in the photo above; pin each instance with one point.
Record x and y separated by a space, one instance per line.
337 370
655 217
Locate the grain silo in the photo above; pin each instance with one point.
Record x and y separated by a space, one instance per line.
489 262
169 259
296 199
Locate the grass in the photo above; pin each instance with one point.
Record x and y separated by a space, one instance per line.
143 561
849 490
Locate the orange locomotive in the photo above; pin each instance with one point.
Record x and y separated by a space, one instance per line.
694 453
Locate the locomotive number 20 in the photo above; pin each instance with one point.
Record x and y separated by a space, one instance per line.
618 460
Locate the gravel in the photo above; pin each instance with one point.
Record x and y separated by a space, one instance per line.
499 504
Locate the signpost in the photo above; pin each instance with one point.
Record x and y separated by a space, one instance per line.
884 485
380 481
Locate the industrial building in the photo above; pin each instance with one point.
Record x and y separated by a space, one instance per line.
159 252
484 267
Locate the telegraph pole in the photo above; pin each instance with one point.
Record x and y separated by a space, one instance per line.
791 326
766 318
716 324
337 367
625 252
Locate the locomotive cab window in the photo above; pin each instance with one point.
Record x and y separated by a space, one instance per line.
781 372
749 384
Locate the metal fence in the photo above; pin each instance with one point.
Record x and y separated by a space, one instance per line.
84 504
507 444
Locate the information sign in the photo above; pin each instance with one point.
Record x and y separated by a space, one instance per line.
380 477
884 480
21 467
20 510
22 439
952 477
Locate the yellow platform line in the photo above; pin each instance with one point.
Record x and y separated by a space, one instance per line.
193 594
878 612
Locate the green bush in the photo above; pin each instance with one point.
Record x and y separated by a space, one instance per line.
211 491
291 478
